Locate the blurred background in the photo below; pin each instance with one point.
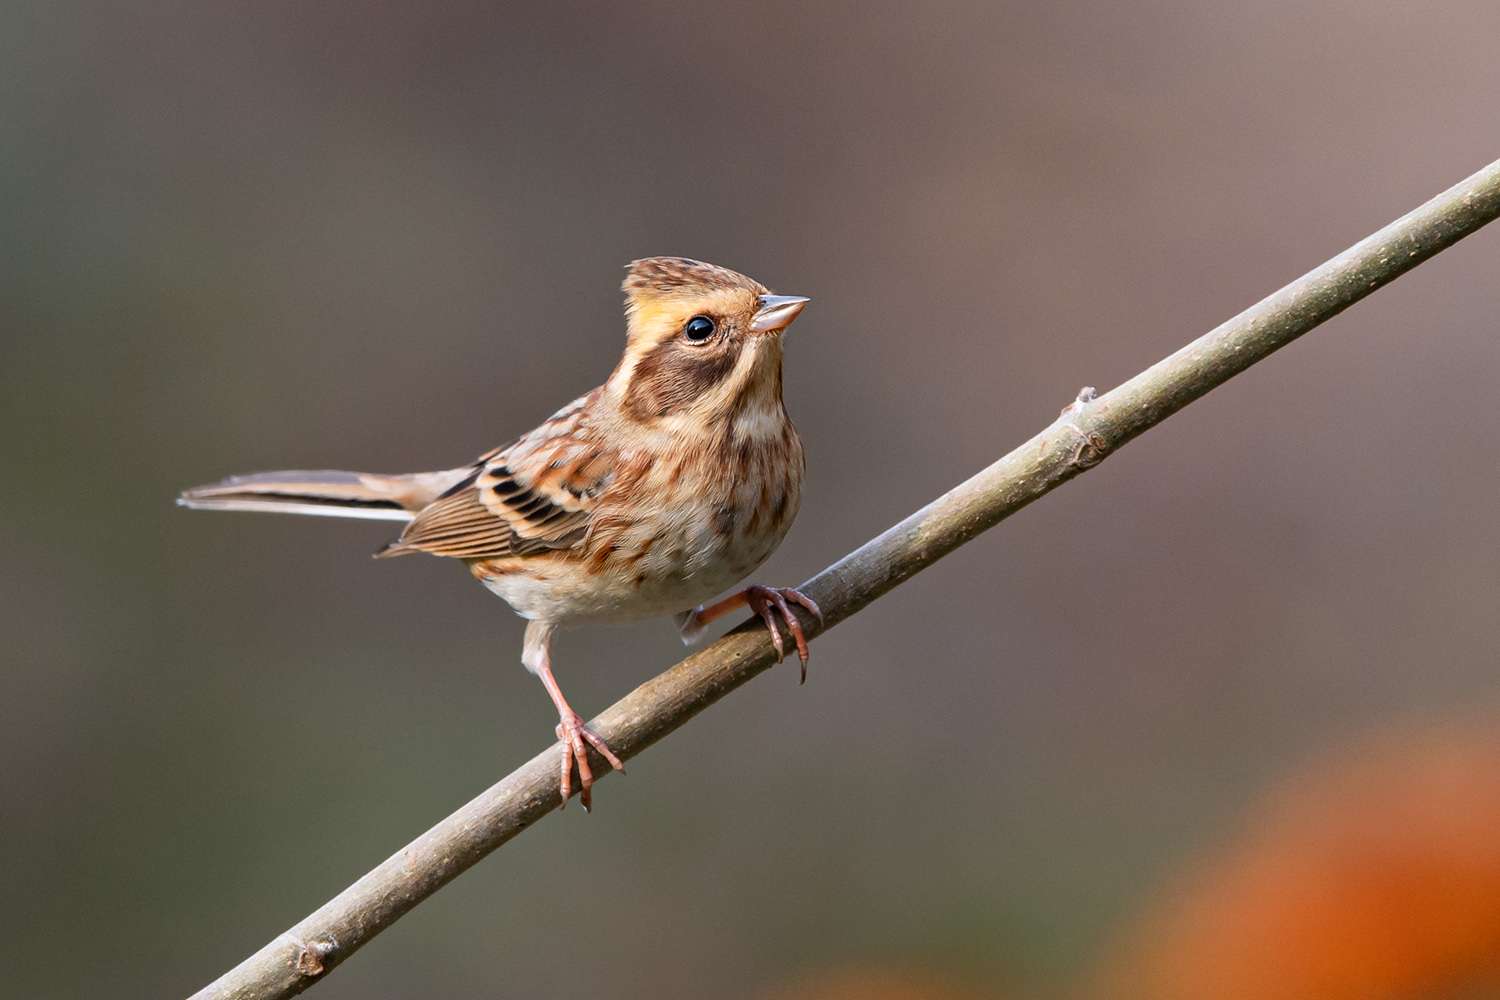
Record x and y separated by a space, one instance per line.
390 236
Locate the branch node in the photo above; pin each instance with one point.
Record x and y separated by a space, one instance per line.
309 959
1085 396
1092 446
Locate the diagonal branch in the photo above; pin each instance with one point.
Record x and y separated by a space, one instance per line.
1085 433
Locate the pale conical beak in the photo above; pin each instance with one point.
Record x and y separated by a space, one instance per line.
776 312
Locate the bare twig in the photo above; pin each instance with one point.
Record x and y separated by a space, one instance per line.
1087 431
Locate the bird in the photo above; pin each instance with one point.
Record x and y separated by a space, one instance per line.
668 484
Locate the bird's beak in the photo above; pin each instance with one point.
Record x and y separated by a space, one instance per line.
775 313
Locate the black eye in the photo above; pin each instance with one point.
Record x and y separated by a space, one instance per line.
698 329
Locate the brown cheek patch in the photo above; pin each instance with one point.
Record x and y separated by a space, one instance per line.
673 375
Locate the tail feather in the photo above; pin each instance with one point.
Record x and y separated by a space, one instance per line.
327 493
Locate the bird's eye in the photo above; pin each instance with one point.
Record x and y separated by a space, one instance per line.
698 329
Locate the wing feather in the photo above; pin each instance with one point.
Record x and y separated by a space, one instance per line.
537 495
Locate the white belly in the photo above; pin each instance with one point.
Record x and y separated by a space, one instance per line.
708 530
688 560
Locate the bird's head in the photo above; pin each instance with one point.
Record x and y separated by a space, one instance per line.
702 341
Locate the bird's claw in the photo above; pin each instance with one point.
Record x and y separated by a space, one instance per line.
576 738
763 600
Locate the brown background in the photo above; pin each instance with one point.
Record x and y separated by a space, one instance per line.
372 236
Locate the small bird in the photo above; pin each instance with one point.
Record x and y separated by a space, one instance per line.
666 485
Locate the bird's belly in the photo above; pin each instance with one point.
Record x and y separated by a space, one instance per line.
655 566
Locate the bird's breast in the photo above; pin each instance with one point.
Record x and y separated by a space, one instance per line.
686 525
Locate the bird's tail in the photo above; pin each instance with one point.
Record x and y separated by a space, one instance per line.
327 493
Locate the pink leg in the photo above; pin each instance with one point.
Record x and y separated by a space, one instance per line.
761 600
575 736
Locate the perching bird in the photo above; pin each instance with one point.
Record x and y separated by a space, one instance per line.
666 485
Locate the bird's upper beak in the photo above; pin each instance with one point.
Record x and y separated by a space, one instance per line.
775 313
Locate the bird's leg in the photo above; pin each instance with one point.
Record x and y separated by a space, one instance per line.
575 736
761 600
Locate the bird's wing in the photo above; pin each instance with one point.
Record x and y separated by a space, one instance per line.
536 495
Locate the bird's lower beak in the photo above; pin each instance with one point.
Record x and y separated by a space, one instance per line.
776 312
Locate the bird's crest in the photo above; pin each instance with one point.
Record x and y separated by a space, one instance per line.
673 277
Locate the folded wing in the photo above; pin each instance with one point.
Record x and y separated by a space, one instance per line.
538 495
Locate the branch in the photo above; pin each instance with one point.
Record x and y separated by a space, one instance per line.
1086 432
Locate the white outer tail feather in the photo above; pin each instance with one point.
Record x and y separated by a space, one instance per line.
267 506
325 493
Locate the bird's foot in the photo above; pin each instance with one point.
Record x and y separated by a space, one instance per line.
766 600
576 738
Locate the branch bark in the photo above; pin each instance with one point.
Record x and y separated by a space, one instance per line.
1087 432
